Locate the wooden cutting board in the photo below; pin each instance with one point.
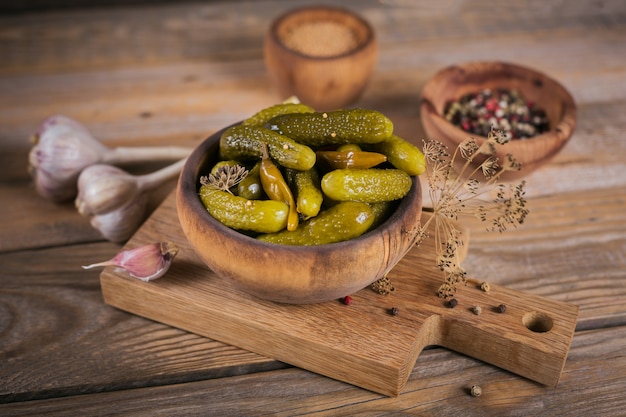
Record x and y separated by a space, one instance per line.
361 343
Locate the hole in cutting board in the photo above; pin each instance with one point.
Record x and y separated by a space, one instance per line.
537 322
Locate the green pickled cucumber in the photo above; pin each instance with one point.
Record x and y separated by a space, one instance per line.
221 164
381 211
402 154
344 221
366 185
261 216
333 128
247 142
306 186
349 147
263 116
250 187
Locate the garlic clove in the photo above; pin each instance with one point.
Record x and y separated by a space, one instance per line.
119 225
103 188
146 263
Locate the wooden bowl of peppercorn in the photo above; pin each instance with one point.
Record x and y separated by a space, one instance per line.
288 273
468 100
324 55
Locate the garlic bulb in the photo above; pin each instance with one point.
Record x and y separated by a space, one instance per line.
117 199
147 263
63 147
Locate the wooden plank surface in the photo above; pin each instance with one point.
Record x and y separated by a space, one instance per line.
174 73
55 275
438 386
53 313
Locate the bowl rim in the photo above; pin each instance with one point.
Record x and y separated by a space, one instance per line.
277 22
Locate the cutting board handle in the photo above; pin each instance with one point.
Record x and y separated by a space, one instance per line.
522 333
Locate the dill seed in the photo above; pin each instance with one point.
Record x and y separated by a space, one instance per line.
383 286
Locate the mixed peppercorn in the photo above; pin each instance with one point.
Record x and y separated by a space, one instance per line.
501 109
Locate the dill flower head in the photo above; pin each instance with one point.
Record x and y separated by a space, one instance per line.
225 177
458 193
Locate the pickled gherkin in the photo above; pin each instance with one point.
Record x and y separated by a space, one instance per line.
306 186
222 165
250 187
381 211
366 185
261 216
263 116
344 221
402 154
333 128
247 142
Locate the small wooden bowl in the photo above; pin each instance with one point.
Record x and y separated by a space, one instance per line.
323 55
453 82
291 274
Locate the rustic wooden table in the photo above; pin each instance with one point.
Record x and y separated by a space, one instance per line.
172 73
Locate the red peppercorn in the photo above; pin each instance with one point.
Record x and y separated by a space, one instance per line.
347 300
492 105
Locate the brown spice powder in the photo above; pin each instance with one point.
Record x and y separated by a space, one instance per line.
321 39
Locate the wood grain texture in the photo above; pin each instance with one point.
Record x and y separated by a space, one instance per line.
438 385
362 344
172 73
58 338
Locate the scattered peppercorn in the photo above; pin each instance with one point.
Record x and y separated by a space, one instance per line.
394 311
501 308
452 303
477 310
476 391
501 109
485 286
347 300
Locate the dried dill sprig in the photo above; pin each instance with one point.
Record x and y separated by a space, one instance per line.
225 177
454 194
383 286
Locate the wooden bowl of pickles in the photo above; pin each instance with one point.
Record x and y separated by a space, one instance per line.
476 99
297 206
